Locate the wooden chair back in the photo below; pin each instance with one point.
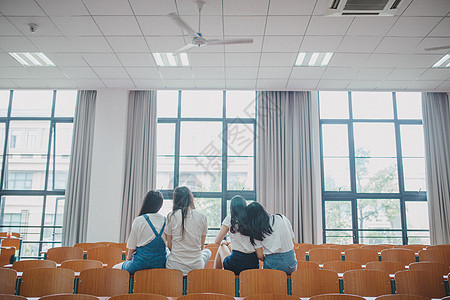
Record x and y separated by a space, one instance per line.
402 297
328 245
342 248
390 267
367 283
322 255
5 234
79 265
377 248
307 265
309 282
442 247
420 283
342 266
213 248
61 254
107 255
306 246
12 297
139 297
46 281
336 297
211 281
300 255
99 244
415 248
87 246
361 255
404 256
69 297
103 282
437 255
23 265
262 281
7 256
206 296
149 281
270 297
430 266
11 242
8 281
122 246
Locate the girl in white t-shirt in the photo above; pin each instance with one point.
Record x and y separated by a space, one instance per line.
243 256
272 237
186 231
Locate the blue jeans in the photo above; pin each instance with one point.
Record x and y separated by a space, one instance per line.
281 261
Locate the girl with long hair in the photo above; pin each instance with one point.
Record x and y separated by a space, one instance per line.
147 248
238 254
186 234
272 237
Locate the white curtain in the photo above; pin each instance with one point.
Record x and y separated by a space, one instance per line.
140 161
78 183
436 126
288 160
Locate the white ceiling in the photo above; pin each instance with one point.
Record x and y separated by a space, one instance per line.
108 44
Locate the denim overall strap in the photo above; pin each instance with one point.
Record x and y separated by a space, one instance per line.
153 227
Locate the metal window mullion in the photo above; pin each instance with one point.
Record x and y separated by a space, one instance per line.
176 171
352 159
224 157
5 145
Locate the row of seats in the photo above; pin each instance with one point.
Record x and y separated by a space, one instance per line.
303 283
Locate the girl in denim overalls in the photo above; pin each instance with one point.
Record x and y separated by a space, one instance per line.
147 249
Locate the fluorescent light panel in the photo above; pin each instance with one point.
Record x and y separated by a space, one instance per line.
314 59
171 60
32 59
442 61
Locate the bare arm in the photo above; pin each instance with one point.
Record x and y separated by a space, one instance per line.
260 253
130 253
169 241
221 235
203 241
293 242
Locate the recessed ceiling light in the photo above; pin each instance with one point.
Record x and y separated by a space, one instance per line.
32 59
171 60
442 61
315 59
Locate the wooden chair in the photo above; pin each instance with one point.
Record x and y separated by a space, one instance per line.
79 265
361 255
122 246
211 281
23 265
359 245
336 297
307 265
415 248
103 282
270 297
46 281
342 266
5 234
206 296
87 246
307 283
8 281
138 297
262 281
429 266
328 245
367 283
12 297
342 248
322 255
404 256
11 242
149 281
7 256
109 256
377 248
69 297
61 254
213 248
390 267
437 255
442 247
97 244
300 255
420 283
306 246
402 297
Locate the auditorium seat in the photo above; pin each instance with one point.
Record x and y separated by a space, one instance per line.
60 254
149 281
87 246
442 247
139 297
5 234
342 248
12 297
46 281
306 246
211 281
309 282
300 255
11 242
367 283
78 265
122 246
103 282
342 266
438 255
213 248
377 248
421 283
429 266
23 265
404 256
307 265
270 297
402 297
390 267
415 248
262 281
336 297
8 281
7 256
361 255
69 297
109 256
322 255
206 296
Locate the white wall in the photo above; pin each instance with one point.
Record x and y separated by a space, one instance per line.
105 202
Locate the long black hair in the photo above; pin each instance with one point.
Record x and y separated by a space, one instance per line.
258 222
182 200
152 203
238 215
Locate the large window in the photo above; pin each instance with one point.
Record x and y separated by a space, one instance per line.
373 168
35 142
206 142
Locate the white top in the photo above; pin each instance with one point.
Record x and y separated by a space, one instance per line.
141 233
238 241
185 255
280 240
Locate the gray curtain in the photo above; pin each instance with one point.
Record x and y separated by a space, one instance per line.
436 126
78 183
140 160
288 160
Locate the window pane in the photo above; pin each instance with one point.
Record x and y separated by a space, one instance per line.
32 103
211 208
339 237
165 156
419 237
201 174
336 174
167 207
376 175
166 139
335 140
240 173
206 104
372 105
167 104
414 174
378 214
240 139
59 161
417 215
54 211
412 141
380 237
333 105
409 105
201 138
65 103
338 214
374 140
164 172
240 104
4 102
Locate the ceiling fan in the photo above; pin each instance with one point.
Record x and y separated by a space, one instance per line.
197 37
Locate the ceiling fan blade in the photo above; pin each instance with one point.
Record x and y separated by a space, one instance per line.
437 48
230 41
185 48
176 18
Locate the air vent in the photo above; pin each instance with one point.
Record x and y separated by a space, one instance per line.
363 7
